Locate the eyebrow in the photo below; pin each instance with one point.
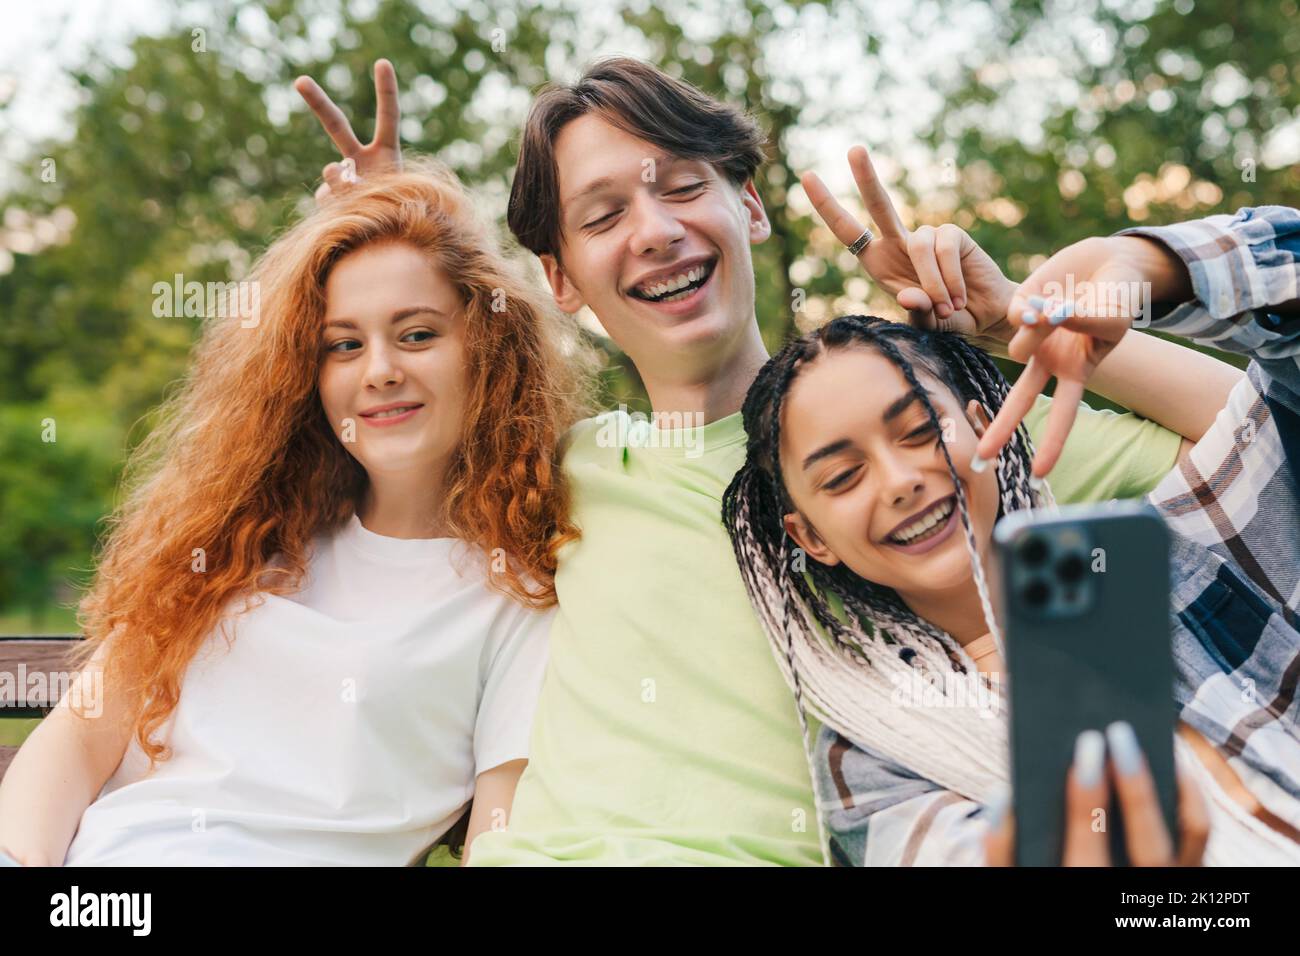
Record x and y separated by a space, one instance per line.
900 405
825 452
604 182
397 316
896 408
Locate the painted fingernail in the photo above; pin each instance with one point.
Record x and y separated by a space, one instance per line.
1089 757
1124 749
1029 317
998 806
978 464
1063 312
1037 302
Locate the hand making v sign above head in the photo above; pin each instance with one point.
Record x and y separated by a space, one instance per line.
939 274
381 153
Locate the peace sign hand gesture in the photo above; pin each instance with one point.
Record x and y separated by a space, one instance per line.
1071 312
381 153
939 275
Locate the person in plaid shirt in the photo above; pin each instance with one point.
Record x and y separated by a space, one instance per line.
899 787
1237 496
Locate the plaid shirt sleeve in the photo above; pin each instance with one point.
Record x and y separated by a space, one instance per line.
1237 493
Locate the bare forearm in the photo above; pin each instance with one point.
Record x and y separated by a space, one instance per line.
44 793
1168 383
494 794
62 766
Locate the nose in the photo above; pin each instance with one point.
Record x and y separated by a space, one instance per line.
382 368
654 228
902 481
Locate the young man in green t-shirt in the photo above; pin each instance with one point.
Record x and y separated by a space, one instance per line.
665 733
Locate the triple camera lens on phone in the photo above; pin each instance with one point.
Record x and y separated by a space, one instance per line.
1051 571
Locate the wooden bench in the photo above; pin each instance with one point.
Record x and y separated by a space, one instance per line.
22 657
30 656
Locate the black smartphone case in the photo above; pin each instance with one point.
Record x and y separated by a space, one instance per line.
1083 594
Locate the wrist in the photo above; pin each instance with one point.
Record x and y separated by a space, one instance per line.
999 328
1161 267
995 332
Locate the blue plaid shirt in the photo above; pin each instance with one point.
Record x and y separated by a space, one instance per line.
1234 504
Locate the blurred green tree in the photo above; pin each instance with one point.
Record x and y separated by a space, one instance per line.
191 152
1151 113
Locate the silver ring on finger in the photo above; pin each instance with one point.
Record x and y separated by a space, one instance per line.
860 243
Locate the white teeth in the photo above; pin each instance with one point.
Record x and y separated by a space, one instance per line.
933 517
392 411
679 281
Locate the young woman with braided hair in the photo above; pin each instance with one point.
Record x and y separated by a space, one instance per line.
862 519
866 621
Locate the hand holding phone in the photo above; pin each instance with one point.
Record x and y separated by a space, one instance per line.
1084 596
1148 842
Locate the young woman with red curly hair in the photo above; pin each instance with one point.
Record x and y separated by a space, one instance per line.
327 589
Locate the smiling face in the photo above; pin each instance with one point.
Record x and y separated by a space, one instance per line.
394 360
864 468
638 225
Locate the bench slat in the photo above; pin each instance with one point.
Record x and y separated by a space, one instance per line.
21 660
21 657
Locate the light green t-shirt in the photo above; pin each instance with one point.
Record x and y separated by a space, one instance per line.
664 732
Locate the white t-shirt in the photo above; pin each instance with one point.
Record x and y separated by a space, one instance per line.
344 725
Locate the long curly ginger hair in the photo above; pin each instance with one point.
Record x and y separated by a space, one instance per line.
245 466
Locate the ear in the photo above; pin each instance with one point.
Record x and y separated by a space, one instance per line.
566 294
975 414
806 536
759 227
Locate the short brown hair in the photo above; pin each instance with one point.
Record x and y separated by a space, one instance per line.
639 99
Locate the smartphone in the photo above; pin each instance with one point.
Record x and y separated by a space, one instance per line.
1083 593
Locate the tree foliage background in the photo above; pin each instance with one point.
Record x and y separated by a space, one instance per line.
1033 125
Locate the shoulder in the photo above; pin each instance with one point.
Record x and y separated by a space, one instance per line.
511 619
518 639
597 440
